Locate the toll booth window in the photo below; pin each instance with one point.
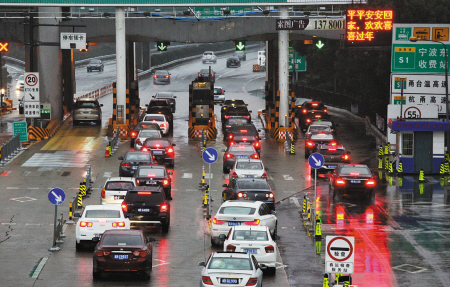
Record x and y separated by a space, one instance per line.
202 96
407 144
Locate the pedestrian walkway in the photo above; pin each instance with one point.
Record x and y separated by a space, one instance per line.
58 159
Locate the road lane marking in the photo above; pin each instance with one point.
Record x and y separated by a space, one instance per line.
32 187
287 177
39 267
107 174
187 175
295 200
12 187
23 199
207 175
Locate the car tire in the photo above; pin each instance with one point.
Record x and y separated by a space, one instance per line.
275 231
172 163
225 170
271 270
213 242
96 274
165 228
78 246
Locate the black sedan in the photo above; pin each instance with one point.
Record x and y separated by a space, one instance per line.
237 151
310 117
167 96
204 74
132 160
352 179
230 103
162 150
142 126
236 111
123 250
233 121
316 139
155 175
252 189
233 62
95 65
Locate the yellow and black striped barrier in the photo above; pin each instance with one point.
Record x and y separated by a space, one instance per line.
82 189
442 169
380 151
80 200
205 197
292 148
421 175
304 204
400 168
326 282
380 163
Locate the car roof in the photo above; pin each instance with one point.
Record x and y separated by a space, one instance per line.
158 139
328 146
256 228
151 167
241 203
121 178
249 160
217 87
164 94
353 165
129 231
230 254
155 189
86 100
103 207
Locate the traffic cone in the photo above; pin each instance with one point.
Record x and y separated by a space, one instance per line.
107 150
400 168
304 204
442 169
318 233
391 168
380 163
380 151
326 282
421 175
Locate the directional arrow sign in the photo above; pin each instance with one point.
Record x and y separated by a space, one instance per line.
56 196
210 155
320 44
240 46
162 46
316 160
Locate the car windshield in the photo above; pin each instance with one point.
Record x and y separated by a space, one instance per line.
146 196
249 165
238 109
102 213
207 53
320 128
162 103
164 95
157 143
249 235
149 134
119 185
206 71
313 106
354 170
86 104
137 156
234 102
156 118
21 78
148 126
241 148
332 151
151 172
95 62
237 121
239 210
161 72
253 185
230 263
122 239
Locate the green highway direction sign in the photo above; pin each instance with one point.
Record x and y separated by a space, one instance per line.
21 128
240 46
300 62
162 46
418 58
217 11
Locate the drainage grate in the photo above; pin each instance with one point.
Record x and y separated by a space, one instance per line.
66 173
410 268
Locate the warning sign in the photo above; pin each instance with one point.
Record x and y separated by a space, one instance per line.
340 255
440 34
422 33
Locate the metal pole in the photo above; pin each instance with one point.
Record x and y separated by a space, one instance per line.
121 67
315 200
446 93
283 68
54 247
209 191
401 100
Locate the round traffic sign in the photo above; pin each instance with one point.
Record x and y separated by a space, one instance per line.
31 80
341 250
56 196
210 155
316 160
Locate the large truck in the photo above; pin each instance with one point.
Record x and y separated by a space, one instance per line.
262 60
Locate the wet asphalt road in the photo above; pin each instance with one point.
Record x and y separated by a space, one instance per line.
401 235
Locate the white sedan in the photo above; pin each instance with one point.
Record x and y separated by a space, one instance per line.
255 240
115 189
143 135
95 220
231 269
160 119
245 213
253 168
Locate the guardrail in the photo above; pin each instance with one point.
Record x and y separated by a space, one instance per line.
10 149
58 233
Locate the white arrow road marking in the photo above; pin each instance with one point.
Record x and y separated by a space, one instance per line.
187 175
58 197
318 162
287 177
212 157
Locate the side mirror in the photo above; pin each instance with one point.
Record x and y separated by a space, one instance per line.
273 212
95 239
170 172
153 96
174 97
77 214
266 168
263 266
277 237
101 105
220 104
249 111
120 158
174 144
151 239
259 131
224 185
202 263
222 236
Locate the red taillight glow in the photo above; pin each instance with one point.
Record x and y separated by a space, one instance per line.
308 120
145 149
230 136
257 144
164 208
133 134
166 182
247 117
310 143
234 174
314 104
318 116
243 131
101 253
155 76
229 155
370 182
103 193
232 143
270 195
325 110
218 222
354 173
125 164
163 125
270 249
169 150
252 282
304 111
254 222
85 224
241 195
118 224
124 207
144 192
167 76
138 181
138 141
345 157
339 181
206 280
264 175
255 156
231 248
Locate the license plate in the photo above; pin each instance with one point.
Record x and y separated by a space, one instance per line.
216 97
251 250
143 209
98 235
119 196
120 256
331 166
242 156
234 223
135 167
157 152
151 182
229 281
355 181
249 175
85 113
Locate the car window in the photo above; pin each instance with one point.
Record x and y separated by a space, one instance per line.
21 78
253 185
249 165
230 263
150 134
137 156
241 148
151 172
352 170
152 197
161 103
122 240
102 213
319 128
241 210
207 53
249 235
266 208
156 143
161 72
322 136
236 102
86 104
119 185
159 118
95 62
332 152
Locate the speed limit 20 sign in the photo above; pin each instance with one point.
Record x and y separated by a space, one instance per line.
31 105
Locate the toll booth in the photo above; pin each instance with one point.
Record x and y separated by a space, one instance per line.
201 109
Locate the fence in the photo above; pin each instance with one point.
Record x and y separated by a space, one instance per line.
10 149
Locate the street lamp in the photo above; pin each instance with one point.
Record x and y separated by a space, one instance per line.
415 39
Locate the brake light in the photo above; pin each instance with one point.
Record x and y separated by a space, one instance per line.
232 143
318 116
227 117
138 141
304 111
85 224
218 222
144 149
224 108
252 282
270 249
166 182
162 125
354 173
227 127
230 136
167 76
221 91
102 253
243 131
333 149
308 120
257 144
164 208
157 145
231 248
199 75
229 155
345 157
255 156
212 75
310 143
244 139
124 207
254 222
325 110
314 104
340 181
133 134
118 224
270 195
206 280
125 164
234 174
169 150
155 76
138 181
144 192
370 182
241 195
264 175
247 117
333 143
103 193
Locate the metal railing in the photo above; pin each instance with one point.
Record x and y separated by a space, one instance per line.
58 233
10 149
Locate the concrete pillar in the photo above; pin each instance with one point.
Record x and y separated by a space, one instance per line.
68 70
120 61
283 69
138 54
49 62
131 68
145 56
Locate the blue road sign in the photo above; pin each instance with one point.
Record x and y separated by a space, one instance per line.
316 160
56 196
210 155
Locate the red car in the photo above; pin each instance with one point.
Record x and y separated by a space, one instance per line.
123 250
